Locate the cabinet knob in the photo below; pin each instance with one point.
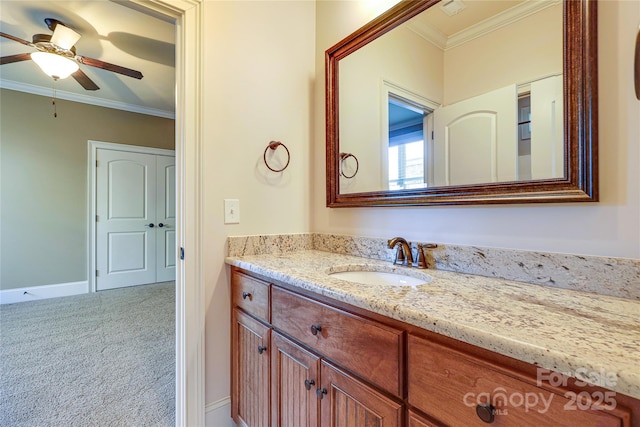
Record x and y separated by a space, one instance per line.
246 295
151 225
315 329
161 225
321 392
261 349
486 412
308 384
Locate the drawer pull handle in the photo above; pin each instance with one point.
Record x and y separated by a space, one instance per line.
261 349
246 295
486 412
308 384
321 392
315 329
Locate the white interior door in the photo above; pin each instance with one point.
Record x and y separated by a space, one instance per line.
475 139
135 193
166 218
547 132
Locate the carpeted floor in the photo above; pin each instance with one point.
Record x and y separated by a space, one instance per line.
100 359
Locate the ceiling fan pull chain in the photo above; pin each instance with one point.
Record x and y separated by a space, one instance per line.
53 100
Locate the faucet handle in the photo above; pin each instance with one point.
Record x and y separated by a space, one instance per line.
400 257
421 262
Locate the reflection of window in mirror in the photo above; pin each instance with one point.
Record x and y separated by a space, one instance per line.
524 136
407 150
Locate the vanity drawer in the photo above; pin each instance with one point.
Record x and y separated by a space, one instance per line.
448 385
250 294
369 349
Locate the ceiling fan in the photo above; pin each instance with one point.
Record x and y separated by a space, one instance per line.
56 55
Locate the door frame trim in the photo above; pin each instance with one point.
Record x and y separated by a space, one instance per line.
92 156
188 16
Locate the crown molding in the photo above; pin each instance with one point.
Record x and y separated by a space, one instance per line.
430 34
84 99
500 20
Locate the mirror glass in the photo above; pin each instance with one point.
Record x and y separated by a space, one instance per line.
436 97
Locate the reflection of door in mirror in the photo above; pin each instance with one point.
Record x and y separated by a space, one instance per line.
475 139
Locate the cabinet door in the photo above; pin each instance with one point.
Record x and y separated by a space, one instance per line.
250 342
295 378
416 420
347 402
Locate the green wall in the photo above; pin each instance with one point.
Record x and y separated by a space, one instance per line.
43 181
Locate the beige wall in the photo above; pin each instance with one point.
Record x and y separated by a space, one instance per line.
523 51
43 182
259 85
610 227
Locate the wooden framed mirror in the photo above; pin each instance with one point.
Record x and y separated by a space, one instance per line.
551 109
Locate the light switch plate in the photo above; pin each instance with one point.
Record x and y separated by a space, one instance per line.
231 211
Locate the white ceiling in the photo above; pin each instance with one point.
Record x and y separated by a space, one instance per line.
110 32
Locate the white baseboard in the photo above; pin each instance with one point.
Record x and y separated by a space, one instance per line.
217 404
10 296
218 413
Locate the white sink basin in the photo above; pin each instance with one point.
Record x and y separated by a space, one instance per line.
380 278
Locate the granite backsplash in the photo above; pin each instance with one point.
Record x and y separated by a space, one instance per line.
619 277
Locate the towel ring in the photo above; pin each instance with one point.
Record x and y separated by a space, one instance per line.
273 145
345 156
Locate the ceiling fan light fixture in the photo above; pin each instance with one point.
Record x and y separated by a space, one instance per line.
64 37
54 65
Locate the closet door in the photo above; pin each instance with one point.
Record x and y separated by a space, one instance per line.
126 215
166 218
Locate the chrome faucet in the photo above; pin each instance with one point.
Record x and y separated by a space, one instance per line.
404 255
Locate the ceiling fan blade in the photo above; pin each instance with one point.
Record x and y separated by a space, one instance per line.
64 37
84 80
110 67
14 58
17 39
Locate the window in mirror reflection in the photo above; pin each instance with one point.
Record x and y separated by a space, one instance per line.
524 136
407 151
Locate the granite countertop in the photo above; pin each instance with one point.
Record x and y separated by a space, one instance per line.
563 330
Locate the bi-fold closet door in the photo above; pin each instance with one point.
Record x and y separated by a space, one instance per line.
135 218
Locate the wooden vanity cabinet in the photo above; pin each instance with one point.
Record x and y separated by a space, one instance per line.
250 365
365 347
349 402
459 389
250 351
308 391
306 361
295 377
417 420
285 373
